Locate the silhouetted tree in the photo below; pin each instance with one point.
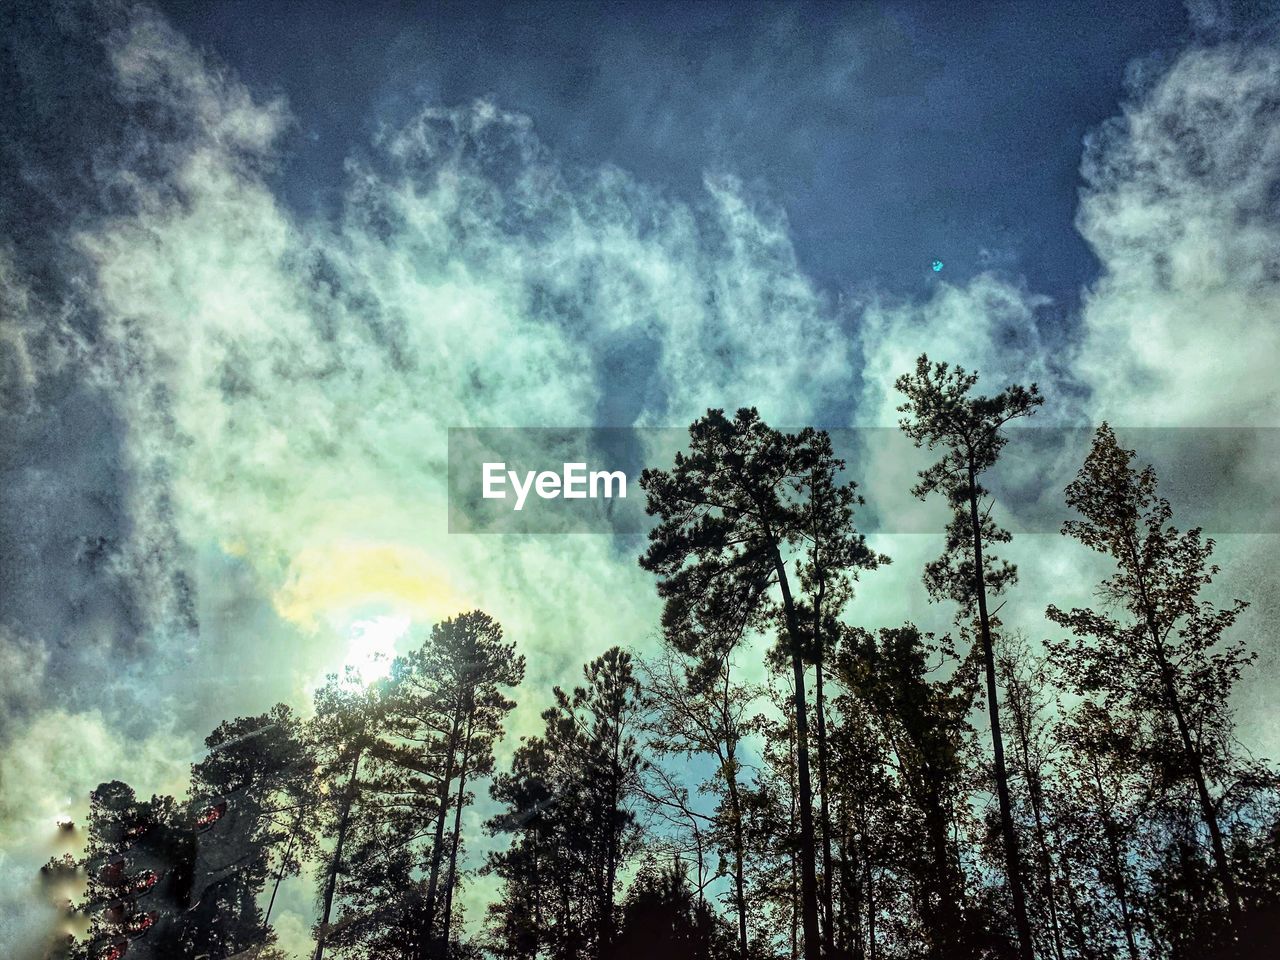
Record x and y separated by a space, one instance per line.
1157 648
138 862
535 865
568 800
942 414
697 708
345 727
1026 687
662 917
252 801
923 722
745 501
1105 778
444 708
772 830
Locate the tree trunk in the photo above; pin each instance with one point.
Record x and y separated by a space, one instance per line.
1012 868
1207 810
824 813
1047 866
795 886
1022 731
851 898
605 937
808 876
457 830
1116 860
1073 901
427 941
944 917
735 811
871 912
266 917
697 840
331 882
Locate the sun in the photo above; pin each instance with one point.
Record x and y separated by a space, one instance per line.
371 645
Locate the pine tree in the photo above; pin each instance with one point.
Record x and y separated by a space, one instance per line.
1025 683
771 827
521 921
139 861
1158 647
732 513
251 803
568 796
1106 779
923 723
868 810
346 725
662 917
444 708
941 414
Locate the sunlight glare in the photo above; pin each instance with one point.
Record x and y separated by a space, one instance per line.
372 645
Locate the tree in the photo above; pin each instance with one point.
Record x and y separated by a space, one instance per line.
445 706
771 826
138 860
833 555
343 730
731 513
869 809
1024 680
1106 772
520 922
251 801
397 759
661 917
941 413
1157 646
568 797
697 708
598 718
923 722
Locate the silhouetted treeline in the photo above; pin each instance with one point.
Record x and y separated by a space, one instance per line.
773 781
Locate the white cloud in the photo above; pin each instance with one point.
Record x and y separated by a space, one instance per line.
1182 208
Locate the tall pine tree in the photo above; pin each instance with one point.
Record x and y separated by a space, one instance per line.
746 510
1157 646
942 414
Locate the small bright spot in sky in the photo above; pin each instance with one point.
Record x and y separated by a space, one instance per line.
937 266
372 645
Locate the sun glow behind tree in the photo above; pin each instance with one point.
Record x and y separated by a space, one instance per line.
371 646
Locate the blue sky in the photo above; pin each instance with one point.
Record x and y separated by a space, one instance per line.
891 133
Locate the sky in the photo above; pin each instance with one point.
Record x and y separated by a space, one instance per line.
257 259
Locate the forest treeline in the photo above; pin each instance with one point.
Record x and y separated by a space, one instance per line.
869 794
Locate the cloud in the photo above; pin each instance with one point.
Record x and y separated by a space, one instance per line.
1218 20
286 386
282 387
1182 207
22 668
